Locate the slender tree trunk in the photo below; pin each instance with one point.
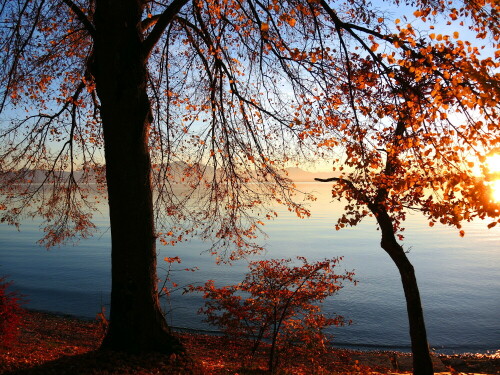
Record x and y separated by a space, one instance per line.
136 321
422 363
272 362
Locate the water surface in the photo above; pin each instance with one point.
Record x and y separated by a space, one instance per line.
458 277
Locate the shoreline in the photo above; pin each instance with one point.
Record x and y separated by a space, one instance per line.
335 345
49 339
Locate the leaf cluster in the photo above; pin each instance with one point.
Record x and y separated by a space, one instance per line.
10 313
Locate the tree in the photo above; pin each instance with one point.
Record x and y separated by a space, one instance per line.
219 94
423 119
279 302
126 94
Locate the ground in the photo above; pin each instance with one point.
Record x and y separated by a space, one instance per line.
55 344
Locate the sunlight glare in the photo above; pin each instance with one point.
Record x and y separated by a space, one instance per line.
495 186
493 163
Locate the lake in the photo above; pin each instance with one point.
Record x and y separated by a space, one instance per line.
459 278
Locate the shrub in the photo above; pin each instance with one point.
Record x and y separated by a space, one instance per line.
10 312
278 303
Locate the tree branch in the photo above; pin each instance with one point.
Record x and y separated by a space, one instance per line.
348 26
327 179
149 22
81 16
161 24
358 194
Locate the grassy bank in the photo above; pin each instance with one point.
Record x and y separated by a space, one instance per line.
55 344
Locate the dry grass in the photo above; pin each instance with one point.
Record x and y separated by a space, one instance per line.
54 344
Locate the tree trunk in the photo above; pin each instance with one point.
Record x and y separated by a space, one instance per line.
120 71
422 363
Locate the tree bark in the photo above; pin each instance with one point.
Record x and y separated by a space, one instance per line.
119 67
422 363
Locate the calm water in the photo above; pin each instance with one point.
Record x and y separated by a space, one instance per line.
459 278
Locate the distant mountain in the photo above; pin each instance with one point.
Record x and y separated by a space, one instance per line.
38 176
177 170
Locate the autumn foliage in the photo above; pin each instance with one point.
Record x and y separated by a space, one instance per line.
10 312
221 96
278 303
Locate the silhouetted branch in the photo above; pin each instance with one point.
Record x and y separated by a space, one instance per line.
150 21
163 21
81 16
358 194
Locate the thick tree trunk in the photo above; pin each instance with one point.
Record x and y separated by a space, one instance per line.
422 363
136 321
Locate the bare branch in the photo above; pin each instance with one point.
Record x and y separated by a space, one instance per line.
81 16
358 194
163 21
327 179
